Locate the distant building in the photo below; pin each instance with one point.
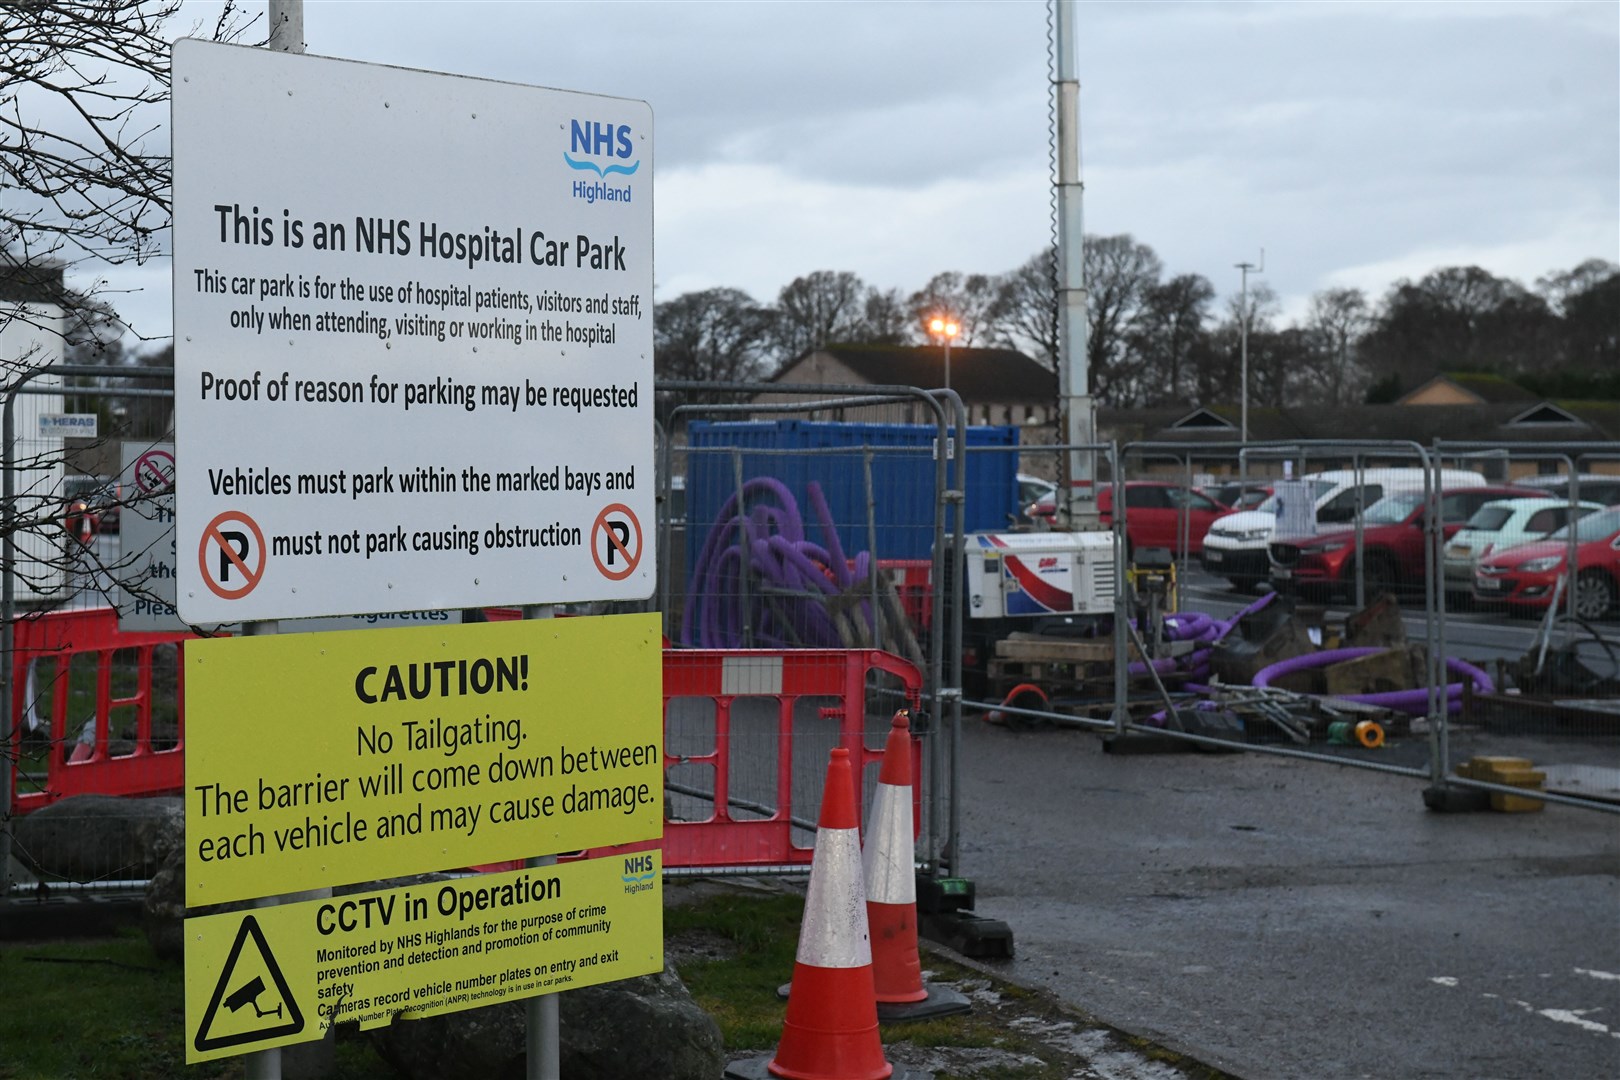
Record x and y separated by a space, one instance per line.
997 386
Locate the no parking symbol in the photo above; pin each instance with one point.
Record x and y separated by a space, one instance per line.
616 542
231 555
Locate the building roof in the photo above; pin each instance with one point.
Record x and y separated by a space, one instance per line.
978 375
1506 422
1481 386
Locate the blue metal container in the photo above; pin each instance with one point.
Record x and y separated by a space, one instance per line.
903 496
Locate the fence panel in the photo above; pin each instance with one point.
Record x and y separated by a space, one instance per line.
1344 641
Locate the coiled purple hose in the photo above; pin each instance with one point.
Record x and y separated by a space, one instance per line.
1200 627
1415 702
788 592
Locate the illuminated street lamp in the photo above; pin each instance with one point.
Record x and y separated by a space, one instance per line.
945 330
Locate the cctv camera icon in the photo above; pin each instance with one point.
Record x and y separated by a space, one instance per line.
249 995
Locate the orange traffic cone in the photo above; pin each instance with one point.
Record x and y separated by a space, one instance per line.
831 1028
889 867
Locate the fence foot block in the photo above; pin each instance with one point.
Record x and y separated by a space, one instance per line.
1446 799
968 934
1135 743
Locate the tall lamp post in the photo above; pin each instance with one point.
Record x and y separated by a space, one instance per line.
945 329
1243 347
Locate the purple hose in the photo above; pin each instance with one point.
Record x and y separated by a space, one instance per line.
1415 702
758 546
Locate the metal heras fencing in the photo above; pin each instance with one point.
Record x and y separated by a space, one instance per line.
786 525
854 535
1329 628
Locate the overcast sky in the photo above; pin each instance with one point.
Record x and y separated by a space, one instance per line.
1357 143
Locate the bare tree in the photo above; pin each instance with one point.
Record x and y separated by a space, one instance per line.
1335 322
82 151
819 308
715 335
1119 274
887 322
1024 314
1169 337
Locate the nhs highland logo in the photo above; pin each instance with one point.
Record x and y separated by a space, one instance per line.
601 152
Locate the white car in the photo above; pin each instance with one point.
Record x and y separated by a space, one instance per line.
1503 524
1236 545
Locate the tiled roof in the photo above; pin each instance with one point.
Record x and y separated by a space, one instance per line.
1593 421
979 375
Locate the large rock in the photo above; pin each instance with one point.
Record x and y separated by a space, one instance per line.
163 910
629 1030
100 837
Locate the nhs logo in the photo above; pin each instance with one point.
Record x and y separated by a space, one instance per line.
603 149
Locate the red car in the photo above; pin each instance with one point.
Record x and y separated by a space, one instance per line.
1391 544
1525 577
1157 514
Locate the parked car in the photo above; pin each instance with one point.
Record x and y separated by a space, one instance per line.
1031 489
1594 487
1392 544
1237 495
1235 547
1503 524
90 506
1157 514
1526 577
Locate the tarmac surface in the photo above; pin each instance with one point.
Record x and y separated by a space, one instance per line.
1282 918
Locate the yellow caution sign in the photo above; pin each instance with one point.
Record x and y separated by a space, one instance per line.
329 759
282 975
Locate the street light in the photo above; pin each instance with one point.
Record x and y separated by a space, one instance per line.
945 329
1243 348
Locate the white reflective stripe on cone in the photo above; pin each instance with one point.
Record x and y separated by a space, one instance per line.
834 932
887 860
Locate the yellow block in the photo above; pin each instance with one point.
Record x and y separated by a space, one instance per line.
1486 768
280 975
1515 804
328 759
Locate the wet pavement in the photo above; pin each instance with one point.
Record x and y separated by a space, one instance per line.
1280 918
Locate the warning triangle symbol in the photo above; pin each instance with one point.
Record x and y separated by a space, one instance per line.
256 1010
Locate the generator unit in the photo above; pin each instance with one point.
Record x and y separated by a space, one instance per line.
1012 575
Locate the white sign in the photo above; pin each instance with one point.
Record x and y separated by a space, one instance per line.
147 568
67 425
413 339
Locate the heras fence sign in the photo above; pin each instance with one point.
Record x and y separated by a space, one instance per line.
413 339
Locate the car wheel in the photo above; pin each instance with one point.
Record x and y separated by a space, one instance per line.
1594 594
1378 577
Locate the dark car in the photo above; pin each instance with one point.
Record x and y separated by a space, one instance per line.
1593 488
1391 544
1157 514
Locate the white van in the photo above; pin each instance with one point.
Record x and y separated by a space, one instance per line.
1235 545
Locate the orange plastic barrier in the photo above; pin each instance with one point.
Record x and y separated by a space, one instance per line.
788 677
141 762
738 770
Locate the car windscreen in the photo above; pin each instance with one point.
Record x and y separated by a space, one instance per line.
1489 518
1592 527
1319 488
1393 509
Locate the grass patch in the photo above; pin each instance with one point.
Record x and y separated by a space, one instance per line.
97 1008
734 949
110 1009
